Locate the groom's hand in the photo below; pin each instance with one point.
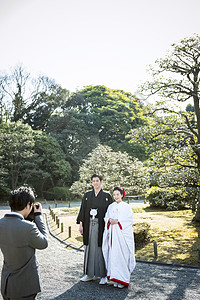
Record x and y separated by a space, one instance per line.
81 228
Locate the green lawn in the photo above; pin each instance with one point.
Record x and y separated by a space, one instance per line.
177 239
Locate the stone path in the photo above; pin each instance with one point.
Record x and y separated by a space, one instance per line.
61 270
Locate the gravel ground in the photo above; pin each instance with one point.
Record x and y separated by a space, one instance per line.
61 269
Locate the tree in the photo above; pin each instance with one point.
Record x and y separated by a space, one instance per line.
171 162
18 157
53 168
3 175
108 113
182 84
117 168
31 157
30 100
75 136
47 99
96 115
12 91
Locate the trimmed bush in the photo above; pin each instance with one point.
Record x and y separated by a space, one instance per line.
141 234
168 198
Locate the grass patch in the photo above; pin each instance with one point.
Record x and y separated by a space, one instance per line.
70 210
177 239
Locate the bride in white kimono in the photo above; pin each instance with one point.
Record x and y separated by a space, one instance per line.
118 240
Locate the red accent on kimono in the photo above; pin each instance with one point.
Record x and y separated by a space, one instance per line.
118 281
108 224
120 225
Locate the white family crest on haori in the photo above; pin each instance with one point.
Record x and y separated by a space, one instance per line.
93 212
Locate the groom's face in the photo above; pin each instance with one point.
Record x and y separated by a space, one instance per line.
96 183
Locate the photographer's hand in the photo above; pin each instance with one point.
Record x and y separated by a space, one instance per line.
37 207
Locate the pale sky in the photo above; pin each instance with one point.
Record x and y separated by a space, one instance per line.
89 42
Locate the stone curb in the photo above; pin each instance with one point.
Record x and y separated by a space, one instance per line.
175 265
59 239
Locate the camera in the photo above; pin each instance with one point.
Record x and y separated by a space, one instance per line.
31 217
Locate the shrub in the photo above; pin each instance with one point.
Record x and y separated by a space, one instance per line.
169 197
58 193
4 193
141 234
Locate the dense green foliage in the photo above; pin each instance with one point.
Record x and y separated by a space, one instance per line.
58 193
17 153
169 198
111 113
31 157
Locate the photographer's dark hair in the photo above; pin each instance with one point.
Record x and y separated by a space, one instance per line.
96 175
20 197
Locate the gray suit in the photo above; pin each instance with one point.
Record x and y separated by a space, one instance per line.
18 240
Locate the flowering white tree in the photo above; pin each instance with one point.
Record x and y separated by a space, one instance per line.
116 168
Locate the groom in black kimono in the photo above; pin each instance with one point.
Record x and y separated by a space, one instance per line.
91 219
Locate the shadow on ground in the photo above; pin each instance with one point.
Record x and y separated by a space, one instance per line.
93 291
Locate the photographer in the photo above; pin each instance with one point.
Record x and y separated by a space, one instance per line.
18 240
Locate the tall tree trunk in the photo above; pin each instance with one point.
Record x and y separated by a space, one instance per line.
41 188
196 219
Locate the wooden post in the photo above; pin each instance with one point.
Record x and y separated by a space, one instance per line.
55 203
155 250
61 225
198 251
58 223
70 231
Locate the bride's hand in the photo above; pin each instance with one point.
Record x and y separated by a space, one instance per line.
113 221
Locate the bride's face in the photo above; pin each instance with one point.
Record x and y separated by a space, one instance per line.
117 196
